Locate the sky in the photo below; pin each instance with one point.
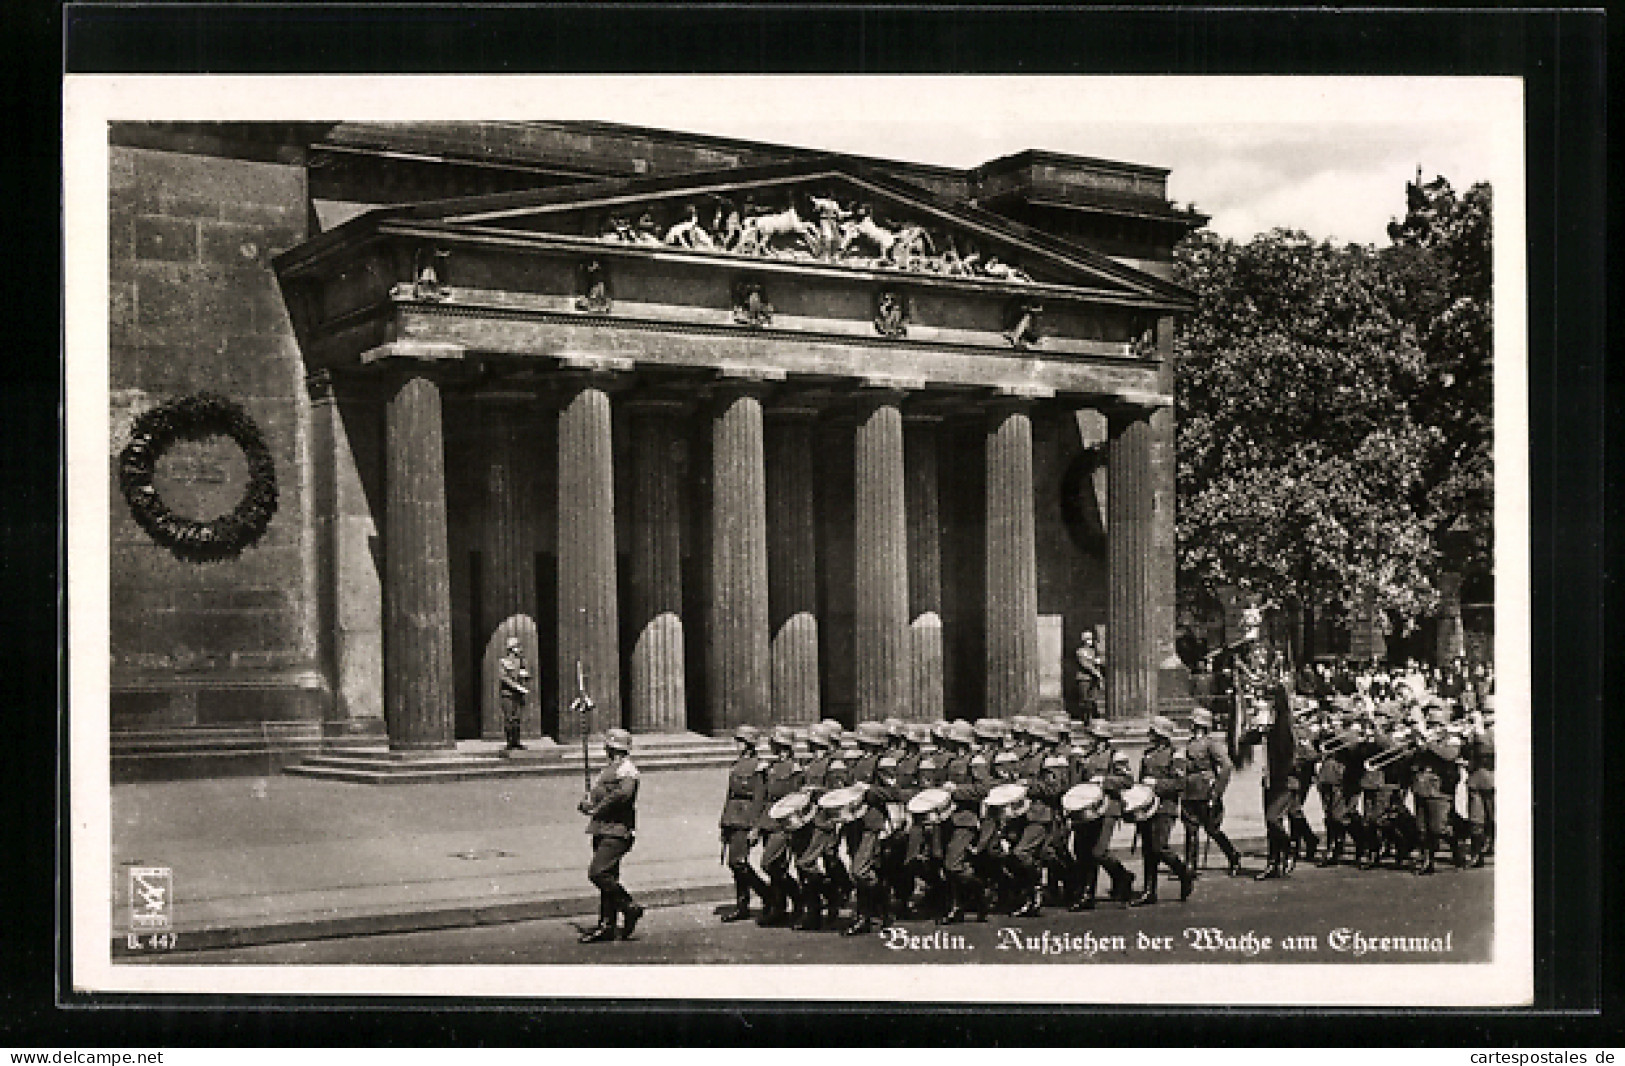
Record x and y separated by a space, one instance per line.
1329 156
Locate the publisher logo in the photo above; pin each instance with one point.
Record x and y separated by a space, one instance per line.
151 897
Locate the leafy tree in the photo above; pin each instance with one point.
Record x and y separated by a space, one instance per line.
1300 459
1441 264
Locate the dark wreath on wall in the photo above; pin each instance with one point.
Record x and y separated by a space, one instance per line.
192 418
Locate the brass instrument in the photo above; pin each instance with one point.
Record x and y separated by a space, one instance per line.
1343 743
1407 741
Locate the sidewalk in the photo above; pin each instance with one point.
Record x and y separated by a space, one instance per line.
270 859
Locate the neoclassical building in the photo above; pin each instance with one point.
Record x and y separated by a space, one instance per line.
730 432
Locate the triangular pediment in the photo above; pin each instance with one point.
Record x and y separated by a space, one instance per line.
832 211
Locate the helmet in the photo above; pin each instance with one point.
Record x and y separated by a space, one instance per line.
618 740
748 734
1202 717
1162 727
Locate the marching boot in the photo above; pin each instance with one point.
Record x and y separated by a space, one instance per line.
1458 854
1477 848
1186 875
955 913
1033 908
861 922
605 929
1334 845
741 909
1276 865
1193 853
812 913
632 912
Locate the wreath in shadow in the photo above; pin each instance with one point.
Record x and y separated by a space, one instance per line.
192 418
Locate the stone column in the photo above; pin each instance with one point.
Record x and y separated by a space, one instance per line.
926 701
508 556
738 656
792 563
1131 652
588 624
881 559
417 578
657 693
1012 562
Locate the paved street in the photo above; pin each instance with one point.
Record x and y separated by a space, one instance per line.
1313 903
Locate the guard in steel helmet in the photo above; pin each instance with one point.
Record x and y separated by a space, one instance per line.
1207 775
1163 769
741 813
514 688
783 777
611 806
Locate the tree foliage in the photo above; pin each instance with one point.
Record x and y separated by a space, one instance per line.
1299 456
1441 260
1333 409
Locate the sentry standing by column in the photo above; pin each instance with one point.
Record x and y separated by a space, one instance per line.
611 804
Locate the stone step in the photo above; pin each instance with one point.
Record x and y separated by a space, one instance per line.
472 759
418 772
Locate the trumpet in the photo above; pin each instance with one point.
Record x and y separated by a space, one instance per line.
1343 743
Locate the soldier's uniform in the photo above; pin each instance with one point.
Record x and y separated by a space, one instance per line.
964 825
782 778
873 738
867 847
1480 755
1280 786
1091 841
1305 762
1333 782
513 685
821 775
741 815
611 807
1434 777
1162 768
1207 775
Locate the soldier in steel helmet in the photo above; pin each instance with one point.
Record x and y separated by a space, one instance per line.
1163 769
1207 776
782 778
741 813
611 807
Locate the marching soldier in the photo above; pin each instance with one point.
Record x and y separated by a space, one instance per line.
898 851
514 686
1480 754
819 777
1208 772
964 825
782 778
1433 784
1091 841
1338 781
1305 759
1163 769
1280 787
866 847
741 814
611 806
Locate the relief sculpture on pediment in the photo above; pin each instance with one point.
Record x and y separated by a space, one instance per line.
810 226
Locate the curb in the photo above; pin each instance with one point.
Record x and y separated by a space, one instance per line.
448 916
454 916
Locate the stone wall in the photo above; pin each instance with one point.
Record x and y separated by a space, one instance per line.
194 307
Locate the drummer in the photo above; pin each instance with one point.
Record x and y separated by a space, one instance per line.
1163 769
812 845
1091 840
1032 853
863 836
901 863
1005 823
819 777
783 778
959 842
